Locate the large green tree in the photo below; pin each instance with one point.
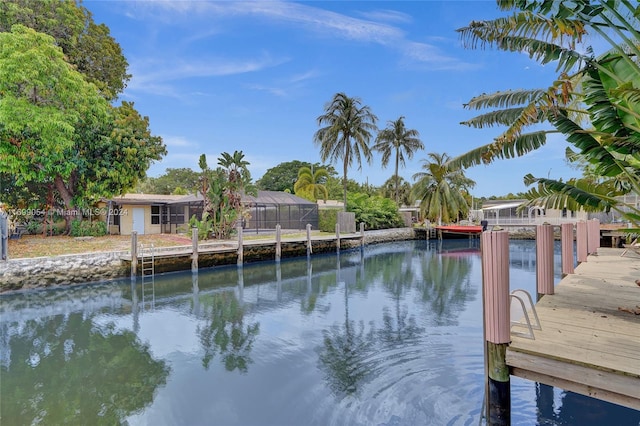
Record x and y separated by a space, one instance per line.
399 142
346 129
594 102
58 132
174 181
440 189
86 45
283 176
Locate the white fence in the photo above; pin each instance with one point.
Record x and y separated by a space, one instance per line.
539 220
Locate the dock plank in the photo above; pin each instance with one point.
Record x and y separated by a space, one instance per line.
587 344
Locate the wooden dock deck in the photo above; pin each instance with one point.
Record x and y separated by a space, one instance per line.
590 337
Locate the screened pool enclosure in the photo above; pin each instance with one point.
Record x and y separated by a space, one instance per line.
270 208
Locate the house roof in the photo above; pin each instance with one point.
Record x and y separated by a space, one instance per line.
276 197
504 206
264 197
146 198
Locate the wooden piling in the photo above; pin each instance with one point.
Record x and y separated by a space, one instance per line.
337 237
278 242
194 244
240 247
593 236
566 242
544 259
134 254
496 301
361 234
581 241
309 246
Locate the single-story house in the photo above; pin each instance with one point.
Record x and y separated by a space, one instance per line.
156 213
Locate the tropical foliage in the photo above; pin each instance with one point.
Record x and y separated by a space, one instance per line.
374 211
346 130
594 102
222 190
283 176
440 189
400 143
397 186
310 184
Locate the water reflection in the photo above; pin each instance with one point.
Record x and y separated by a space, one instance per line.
445 283
346 356
66 370
224 333
391 334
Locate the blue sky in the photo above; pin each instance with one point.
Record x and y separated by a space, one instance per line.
221 76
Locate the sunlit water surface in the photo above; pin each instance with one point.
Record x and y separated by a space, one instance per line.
388 336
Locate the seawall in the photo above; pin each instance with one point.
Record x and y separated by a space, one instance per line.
40 272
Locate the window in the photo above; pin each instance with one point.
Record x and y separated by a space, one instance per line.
177 214
155 215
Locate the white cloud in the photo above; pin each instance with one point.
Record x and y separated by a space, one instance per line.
314 20
153 76
277 91
176 141
386 15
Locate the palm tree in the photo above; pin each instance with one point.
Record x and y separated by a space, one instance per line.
348 126
398 186
397 140
439 189
599 90
310 184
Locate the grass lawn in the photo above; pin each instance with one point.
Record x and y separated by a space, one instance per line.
37 246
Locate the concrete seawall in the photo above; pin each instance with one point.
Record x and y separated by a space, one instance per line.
40 272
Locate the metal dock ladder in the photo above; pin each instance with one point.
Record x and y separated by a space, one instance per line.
147 272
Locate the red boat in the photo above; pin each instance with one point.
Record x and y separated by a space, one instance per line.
459 230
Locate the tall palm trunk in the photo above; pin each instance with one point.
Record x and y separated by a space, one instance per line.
396 173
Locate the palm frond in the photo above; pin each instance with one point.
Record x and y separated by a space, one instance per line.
500 149
505 99
573 195
504 117
541 37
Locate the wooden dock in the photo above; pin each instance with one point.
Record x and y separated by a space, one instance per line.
231 246
590 337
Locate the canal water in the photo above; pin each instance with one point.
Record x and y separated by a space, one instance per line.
391 335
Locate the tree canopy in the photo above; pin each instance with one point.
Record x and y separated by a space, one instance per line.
57 130
174 181
86 45
284 176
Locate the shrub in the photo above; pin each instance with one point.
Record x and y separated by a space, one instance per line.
32 227
83 228
205 227
376 212
327 219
